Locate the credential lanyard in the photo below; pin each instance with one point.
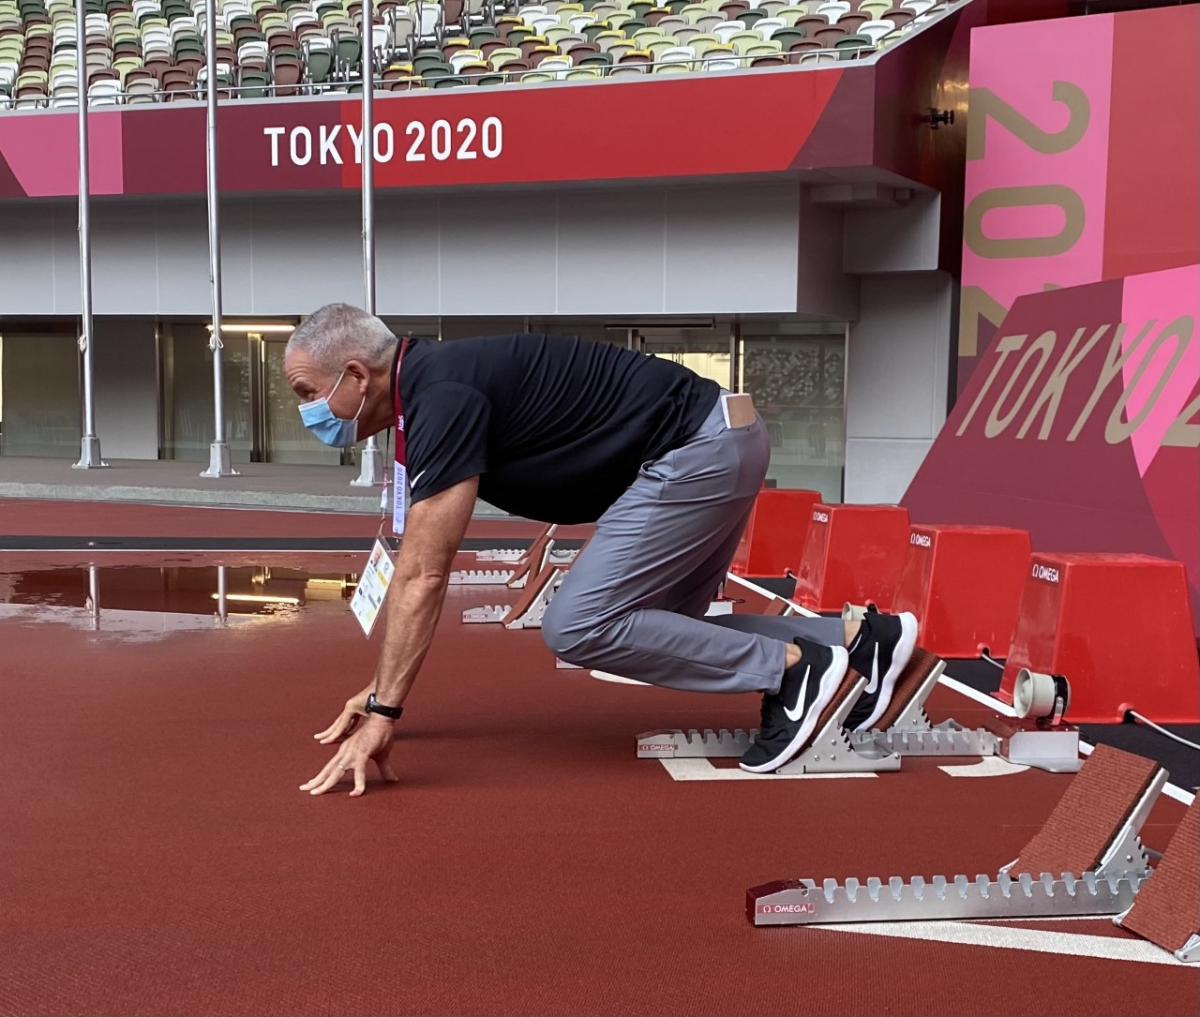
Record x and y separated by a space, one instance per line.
399 473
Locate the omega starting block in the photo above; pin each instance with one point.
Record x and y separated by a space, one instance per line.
1088 859
830 749
528 609
515 565
905 729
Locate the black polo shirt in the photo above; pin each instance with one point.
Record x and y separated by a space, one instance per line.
554 428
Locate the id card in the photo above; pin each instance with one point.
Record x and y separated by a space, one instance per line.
373 585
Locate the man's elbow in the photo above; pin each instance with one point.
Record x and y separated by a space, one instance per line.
430 577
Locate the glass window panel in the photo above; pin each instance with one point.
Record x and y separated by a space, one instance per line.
188 394
708 358
40 403
288 440
798 385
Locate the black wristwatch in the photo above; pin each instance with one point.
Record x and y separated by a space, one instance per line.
392 712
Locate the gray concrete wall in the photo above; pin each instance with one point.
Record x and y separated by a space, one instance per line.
126 378
896 396
697 250
900 239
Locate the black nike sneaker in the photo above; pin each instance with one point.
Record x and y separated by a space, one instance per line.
880 652
790 715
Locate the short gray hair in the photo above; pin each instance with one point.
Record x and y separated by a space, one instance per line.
338 333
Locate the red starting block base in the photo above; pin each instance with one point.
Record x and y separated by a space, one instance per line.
854 554
773 540
964 585
1119 627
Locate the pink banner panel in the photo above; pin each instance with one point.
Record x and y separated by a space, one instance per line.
1162 376
44 168
1037 150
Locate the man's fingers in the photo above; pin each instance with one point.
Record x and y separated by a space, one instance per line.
339 729
387 771
330 772
360 779
328 782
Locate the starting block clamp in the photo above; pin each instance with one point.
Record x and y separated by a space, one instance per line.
1108 888
829 751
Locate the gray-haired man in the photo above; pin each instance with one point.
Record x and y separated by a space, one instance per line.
569 431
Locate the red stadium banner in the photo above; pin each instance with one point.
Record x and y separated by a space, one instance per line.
696 126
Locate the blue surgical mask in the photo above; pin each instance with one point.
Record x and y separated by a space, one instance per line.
330 429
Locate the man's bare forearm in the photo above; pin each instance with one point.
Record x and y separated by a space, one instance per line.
413 607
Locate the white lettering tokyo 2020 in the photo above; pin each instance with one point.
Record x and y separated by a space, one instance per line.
1045 572
920 540
820 517
440 141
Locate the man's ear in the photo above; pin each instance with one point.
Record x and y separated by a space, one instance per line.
361 374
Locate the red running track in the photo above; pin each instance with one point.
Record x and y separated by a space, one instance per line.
20 517
156 856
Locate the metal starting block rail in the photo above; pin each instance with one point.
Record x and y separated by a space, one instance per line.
803 902
481 577
1081 828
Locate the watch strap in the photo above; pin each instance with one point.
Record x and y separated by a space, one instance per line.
392 712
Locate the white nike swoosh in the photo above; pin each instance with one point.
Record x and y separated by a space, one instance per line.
417 479
873 684
797 711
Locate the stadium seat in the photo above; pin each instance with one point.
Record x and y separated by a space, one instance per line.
145 51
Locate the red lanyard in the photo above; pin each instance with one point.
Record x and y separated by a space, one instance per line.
396 401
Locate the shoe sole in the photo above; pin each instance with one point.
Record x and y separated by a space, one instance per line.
900 658
830 681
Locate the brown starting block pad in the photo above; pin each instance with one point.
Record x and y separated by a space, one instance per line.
1098 802
1166 910
1099 819
909 684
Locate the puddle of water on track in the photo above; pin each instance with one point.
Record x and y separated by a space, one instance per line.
142 602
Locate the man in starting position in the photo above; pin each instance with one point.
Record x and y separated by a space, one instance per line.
664 462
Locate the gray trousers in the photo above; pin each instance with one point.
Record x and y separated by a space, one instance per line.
633 602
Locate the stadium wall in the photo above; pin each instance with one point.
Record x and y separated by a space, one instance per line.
701 249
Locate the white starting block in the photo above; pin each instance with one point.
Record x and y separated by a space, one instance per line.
1117 866
530 607
524 563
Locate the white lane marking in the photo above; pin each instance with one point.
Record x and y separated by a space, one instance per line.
980 697
604 676
702 769
988 766
1006 937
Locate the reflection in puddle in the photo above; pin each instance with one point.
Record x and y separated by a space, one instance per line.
147 602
